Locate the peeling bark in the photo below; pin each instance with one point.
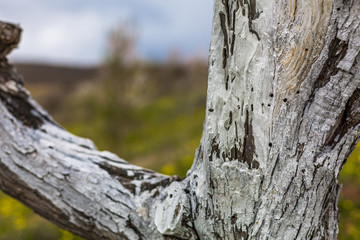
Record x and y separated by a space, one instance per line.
282 117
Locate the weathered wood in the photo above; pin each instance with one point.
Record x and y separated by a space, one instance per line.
282 116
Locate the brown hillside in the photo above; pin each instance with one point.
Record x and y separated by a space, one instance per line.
42 73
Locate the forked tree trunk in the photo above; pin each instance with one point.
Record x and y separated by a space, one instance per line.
282 116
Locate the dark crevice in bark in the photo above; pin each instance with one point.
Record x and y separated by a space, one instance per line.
234 153
234 28
129 186
16 99
214 149
229 121
227 10
276 164
123 173
233 43
126 179
130 225
252 15
120 172
147 186
228 24
87 220
295 12
239 234
337 51
249 144
349 118
22 110
173 238
227 83
230 118
226 38
233 218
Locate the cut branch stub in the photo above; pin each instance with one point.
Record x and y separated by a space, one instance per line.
9 37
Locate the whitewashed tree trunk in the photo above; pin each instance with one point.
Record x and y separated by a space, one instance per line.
282 116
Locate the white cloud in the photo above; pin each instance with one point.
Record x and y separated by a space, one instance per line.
71 31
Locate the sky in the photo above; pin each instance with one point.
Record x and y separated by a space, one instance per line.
75 31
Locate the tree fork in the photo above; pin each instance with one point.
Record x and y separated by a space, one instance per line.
282 116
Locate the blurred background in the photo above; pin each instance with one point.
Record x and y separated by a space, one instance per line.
130 75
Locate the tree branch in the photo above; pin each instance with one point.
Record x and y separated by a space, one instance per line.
63 177
282 116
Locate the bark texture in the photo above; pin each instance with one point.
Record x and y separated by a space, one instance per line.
282 116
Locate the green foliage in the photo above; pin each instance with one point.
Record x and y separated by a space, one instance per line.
164 129
19 222
350 171
349 202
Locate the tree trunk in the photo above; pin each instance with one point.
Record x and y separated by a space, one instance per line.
282 116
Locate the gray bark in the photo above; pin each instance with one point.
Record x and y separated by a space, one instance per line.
282 116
